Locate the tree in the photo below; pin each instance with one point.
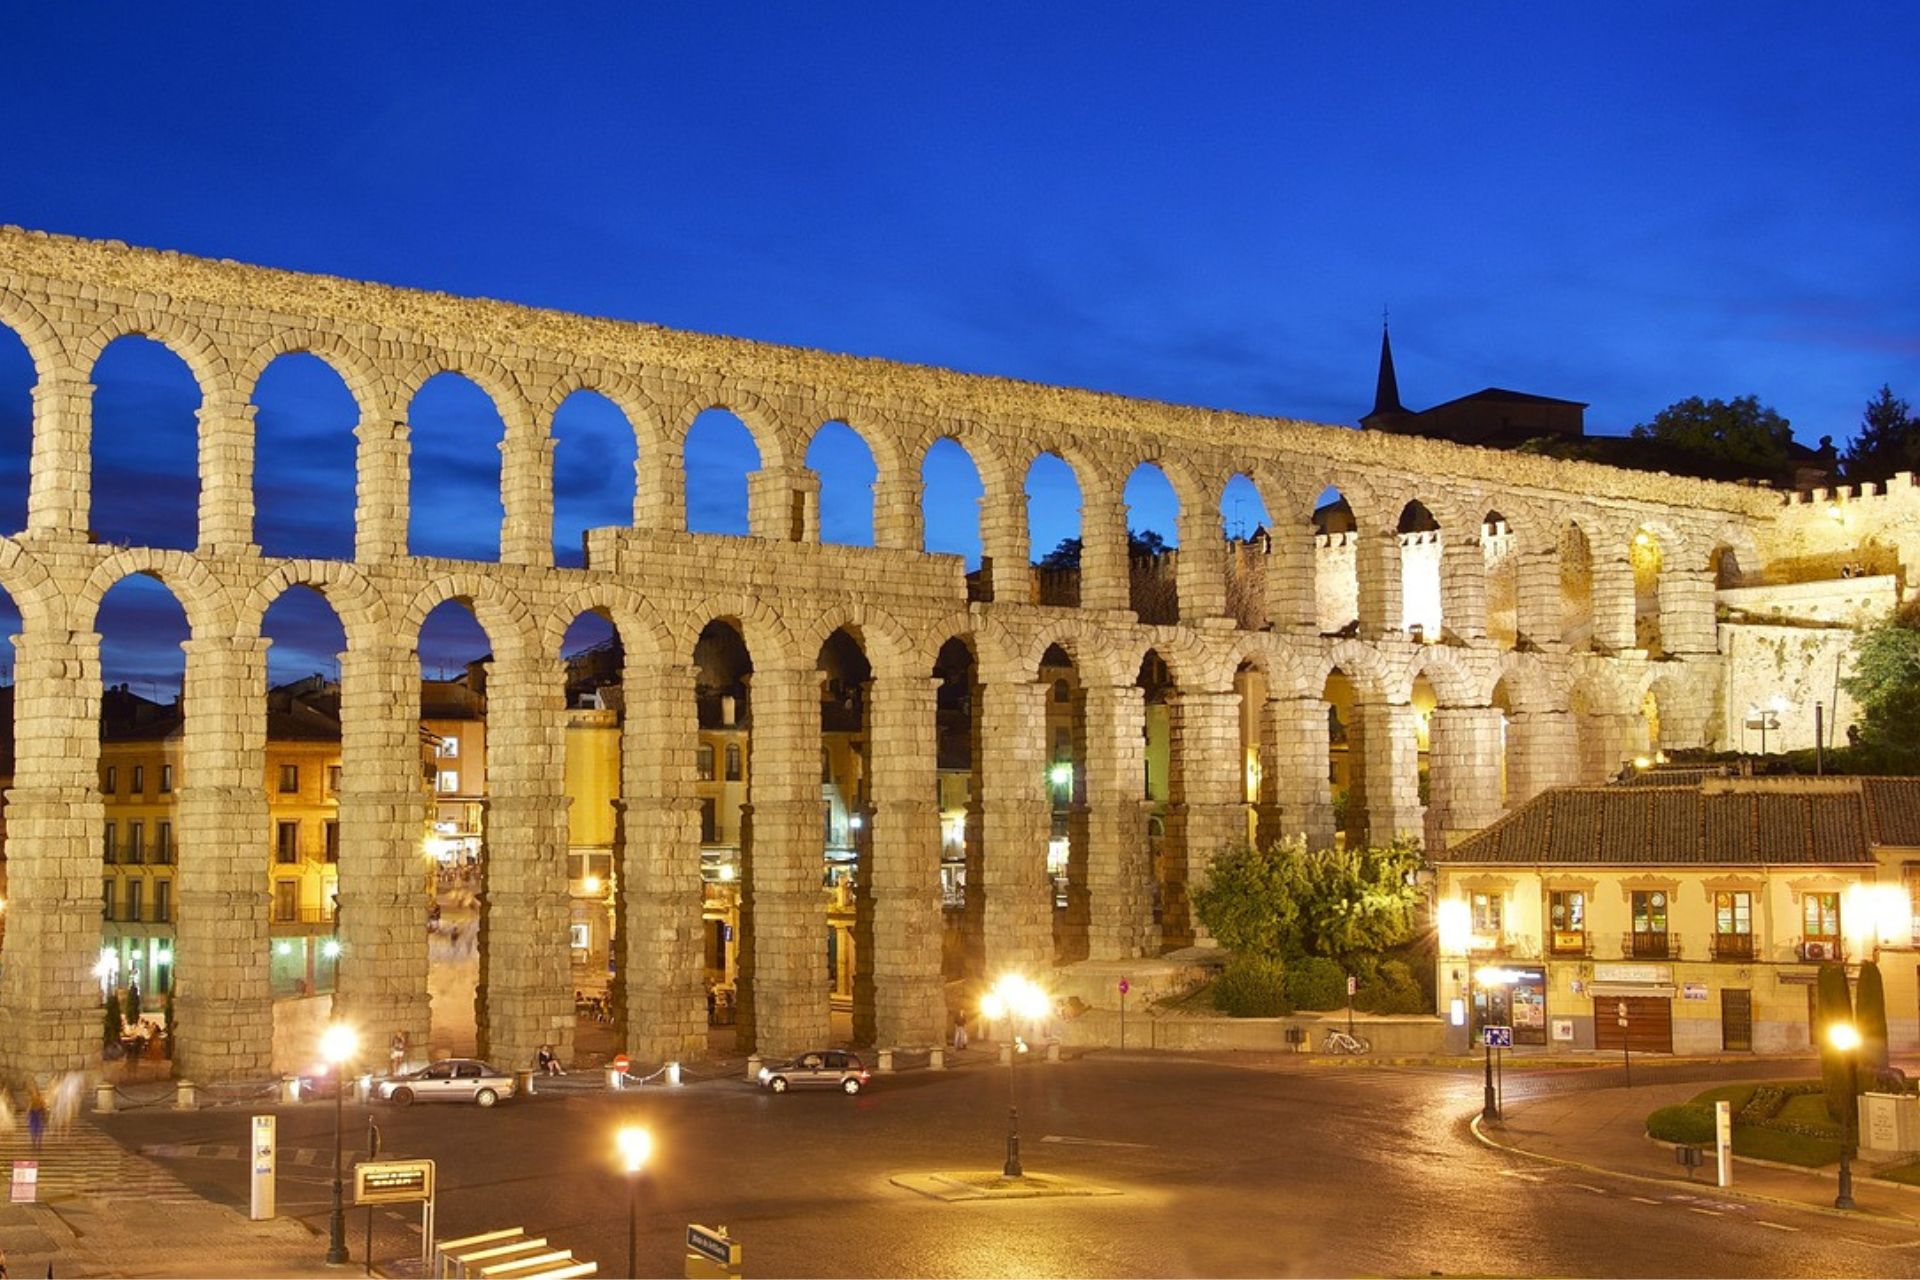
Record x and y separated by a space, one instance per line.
1140 546
110 1027
1741 431
1832 1004
1888 440
1284 902
1870 1013
1885 682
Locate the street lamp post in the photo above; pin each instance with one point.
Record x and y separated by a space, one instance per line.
1845 1037
1013 997
337 1045
1488 980
636 1144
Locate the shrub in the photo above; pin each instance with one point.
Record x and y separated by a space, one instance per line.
1690 1123
1870 1013
1315 982
110 1023
1252 987
1392 989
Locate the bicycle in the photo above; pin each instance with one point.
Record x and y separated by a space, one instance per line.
1341 1042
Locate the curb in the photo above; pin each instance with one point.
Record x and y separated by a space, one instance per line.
1730 1192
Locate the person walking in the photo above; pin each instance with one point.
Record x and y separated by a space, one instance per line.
36 1117
959 1032
396 1053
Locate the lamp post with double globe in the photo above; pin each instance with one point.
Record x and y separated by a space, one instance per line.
1014 997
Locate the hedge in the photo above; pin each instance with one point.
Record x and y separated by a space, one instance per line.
1690 1123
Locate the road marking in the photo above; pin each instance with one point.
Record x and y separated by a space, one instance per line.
1067 1140
1644 1199
1774 1225
1588 1186
1711 1213
1522 1175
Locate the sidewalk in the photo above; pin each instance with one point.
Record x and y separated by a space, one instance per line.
101 1210
1605 1130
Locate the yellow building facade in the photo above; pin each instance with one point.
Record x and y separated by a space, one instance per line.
1683 918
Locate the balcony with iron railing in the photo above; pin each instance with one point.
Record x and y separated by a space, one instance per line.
1645 944
1564 944
1738 947
301 915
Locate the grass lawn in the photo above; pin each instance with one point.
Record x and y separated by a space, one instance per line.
1772 1144
1907 1173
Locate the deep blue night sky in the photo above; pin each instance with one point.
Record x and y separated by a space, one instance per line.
1624 205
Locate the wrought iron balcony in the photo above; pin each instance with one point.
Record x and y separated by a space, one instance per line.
1645 945
1733 946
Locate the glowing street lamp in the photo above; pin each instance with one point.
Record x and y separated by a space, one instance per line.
1845 1037
338 1044
1014 997
635 1143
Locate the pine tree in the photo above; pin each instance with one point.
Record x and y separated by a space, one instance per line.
1832 1004
1870 1009
1888 440
110 1021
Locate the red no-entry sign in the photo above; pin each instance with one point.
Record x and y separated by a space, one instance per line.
621 1063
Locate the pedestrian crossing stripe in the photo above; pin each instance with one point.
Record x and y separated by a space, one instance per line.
83 1161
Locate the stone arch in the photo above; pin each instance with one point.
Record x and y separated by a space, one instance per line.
357 370
759 418
26 581
1455 683
834 485
195 348
1733 555
641 630
483 371
509 624
359 604
200 594
765 633
42 341
888 646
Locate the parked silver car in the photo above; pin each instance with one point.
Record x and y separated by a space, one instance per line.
449 1080
822 1069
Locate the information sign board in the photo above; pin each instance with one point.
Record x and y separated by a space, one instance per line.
392 1181
1497 1037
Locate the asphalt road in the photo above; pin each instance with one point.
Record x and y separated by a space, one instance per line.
1226 1166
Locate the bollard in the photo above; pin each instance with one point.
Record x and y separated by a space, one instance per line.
1006 1055
184 1099
363 1090
616 1078
753 1069
886 1060
103 1098
673 1074
937 1060
523 1083
1053 1051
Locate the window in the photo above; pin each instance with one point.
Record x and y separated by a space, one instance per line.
333 841
162 901
1061 691
287 842
289 779
1821 915
166 779
136 842
163 842
133 900
107 850
106 899
449 748
449 782
1487 915
1650 924
286 900
1567 914
1732 925
111 786
709 820
703 760
139 779
733 762
1912 877
333 779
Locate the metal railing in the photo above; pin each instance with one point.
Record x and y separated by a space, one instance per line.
1733 946
1644 944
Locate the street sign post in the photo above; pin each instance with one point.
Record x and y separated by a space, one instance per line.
26 1182
1125 987
399 1182
1497 1037
712 1254
1626 1046
260 1163
1723 1141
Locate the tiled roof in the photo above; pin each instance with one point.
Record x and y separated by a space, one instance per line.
1893 809
1722 823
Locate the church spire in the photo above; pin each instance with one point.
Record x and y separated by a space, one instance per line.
1386 391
